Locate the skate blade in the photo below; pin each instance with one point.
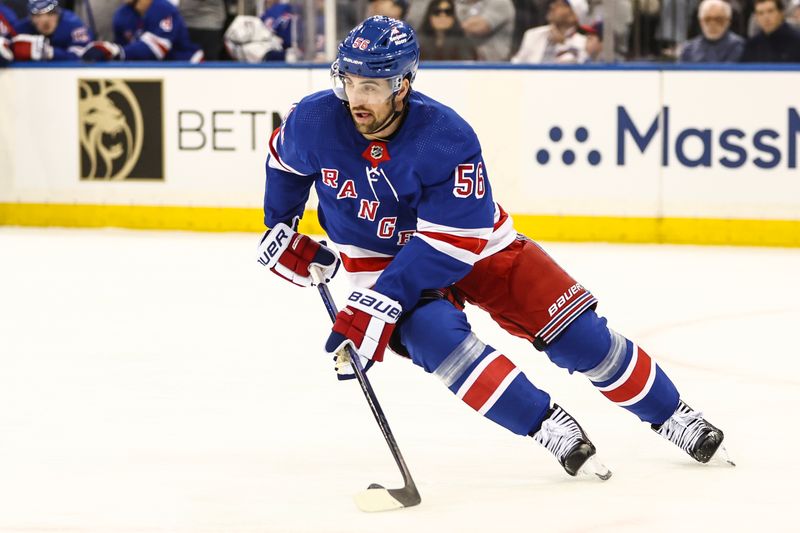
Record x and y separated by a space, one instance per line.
721 457
593 467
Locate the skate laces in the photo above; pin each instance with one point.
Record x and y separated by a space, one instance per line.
684 427
559 433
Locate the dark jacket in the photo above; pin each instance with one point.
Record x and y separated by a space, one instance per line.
726 49
780 46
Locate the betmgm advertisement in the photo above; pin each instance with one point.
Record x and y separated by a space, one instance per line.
120 129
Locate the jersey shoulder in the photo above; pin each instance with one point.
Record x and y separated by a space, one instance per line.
26 26
441 137
307 131
125 16
159 11
70 19
317 116
8 20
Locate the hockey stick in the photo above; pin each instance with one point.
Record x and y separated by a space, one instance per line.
375 497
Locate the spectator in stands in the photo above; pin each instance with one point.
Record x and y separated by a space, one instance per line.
205 20
7 22
50 33
594 41
793 14
738 20
441 37
489 24
556 42
146 30
395 9
619 20
716 44
778 42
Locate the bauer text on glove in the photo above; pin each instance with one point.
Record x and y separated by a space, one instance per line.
290 255
366 324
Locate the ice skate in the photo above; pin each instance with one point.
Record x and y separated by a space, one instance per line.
688 430
563 437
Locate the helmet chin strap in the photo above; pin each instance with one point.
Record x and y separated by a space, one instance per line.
390 120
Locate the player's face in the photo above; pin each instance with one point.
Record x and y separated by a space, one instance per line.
768 16
45 23
370 102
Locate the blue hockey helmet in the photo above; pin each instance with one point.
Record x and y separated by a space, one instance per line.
379 47
40 7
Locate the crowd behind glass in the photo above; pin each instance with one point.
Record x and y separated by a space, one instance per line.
519 31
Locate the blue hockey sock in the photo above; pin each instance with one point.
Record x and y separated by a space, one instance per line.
620 370
440 340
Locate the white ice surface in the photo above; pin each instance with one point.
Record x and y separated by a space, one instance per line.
163 382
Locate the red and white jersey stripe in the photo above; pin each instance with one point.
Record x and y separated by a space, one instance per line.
635 382
274 159
464 244
158 45
503 232
487 382
364 266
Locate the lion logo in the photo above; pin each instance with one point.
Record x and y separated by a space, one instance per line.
111 129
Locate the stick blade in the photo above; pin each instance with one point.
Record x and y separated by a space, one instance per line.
376 499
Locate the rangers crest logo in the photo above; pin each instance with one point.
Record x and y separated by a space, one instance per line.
166 24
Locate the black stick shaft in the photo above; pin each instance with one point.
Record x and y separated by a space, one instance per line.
366 388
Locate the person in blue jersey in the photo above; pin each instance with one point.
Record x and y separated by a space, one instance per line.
281 19
404 195
7 22
146 30
50 33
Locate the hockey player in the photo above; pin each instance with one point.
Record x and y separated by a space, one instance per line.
281 19
404 195
50 33
7 22
146 30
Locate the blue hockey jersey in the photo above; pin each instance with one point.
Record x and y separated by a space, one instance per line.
7 22
412 213
160 34
281 19
69 38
